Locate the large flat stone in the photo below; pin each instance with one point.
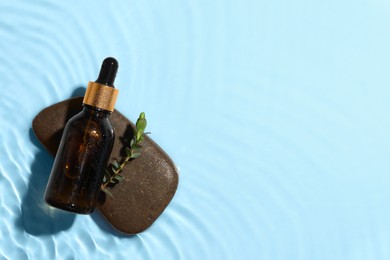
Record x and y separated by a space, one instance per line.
150 180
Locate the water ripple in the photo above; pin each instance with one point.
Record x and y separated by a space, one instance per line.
276 116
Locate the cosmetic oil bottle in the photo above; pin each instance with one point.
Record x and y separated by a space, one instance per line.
85 147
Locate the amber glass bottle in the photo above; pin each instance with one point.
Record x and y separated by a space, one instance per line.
85 147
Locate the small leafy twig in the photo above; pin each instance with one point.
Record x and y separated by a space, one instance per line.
113 173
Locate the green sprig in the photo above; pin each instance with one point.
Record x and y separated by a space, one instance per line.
113 173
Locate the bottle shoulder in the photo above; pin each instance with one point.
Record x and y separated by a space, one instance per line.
85 122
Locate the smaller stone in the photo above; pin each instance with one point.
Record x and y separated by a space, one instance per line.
150 181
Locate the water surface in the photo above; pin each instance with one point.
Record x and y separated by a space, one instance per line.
275 112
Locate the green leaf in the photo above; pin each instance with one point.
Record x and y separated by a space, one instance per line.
106 177
105 190
119 178
115 164
136 149
136 146
135 155
138 136
140 125
128 151
132 142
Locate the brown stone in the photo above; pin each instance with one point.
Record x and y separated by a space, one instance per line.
150 180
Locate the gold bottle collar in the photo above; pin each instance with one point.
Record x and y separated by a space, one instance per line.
100 96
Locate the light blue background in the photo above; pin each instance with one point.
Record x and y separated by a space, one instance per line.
275 112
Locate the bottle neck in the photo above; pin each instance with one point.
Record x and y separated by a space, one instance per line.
101 96
94 111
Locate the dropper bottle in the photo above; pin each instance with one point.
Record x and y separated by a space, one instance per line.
85 147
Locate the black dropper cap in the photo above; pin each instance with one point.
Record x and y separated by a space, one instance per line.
108 72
